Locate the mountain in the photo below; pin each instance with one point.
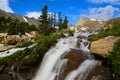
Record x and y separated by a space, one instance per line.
30 21
88 24
114 21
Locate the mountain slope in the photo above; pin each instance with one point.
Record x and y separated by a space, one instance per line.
30 21
89 24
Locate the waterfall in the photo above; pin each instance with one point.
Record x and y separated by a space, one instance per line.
53 64
83 70
52 57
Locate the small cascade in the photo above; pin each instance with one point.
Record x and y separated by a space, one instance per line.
59 62
13 50
50 62
83 70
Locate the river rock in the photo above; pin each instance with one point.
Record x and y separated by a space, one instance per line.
11 39
14 39
103 46
5 77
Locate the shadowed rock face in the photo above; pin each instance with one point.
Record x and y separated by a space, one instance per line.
87 24
30 21
75 57
5 77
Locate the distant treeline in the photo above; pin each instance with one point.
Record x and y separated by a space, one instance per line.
14 26
49 22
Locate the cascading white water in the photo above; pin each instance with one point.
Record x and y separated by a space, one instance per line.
52 63
83 70
13 50
48 69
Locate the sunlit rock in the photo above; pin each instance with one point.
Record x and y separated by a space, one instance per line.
103 46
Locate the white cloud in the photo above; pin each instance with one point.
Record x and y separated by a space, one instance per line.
33 14
4 5
73 16
106 1
102 13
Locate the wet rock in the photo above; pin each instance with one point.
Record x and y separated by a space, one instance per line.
100 72
5 77
75 58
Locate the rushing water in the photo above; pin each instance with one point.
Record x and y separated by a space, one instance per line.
13 50
54 64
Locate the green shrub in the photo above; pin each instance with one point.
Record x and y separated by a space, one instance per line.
25 44
12 58
70 32
33 54
114 30
115 58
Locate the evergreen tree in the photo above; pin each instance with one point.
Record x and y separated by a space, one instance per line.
44 16
44 27
65 23
12 28
59 20
54 20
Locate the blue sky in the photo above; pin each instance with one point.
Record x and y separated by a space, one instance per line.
73 9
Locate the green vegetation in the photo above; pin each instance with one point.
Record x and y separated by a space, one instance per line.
14 27
115 53
70 32
32 55
115 59
48 22
24 44
114 30
48 38
11 59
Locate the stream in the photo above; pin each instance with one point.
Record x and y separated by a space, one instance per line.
70 59
13 50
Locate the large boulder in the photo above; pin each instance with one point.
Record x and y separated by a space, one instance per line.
15 39
103 46
11 39
88 24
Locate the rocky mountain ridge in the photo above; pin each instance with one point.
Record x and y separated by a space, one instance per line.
30 21
88 24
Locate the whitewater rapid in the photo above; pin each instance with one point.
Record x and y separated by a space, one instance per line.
53 65
13 50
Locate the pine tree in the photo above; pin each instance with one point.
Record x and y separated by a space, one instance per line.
44 27
65 23
43 17
59 20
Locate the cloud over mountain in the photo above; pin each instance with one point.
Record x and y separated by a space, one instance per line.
102 13
4 5
33 14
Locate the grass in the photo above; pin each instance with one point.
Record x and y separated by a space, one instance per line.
115 31
115 59
24 44
34 54
115 53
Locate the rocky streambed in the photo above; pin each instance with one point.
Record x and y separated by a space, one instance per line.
74 58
